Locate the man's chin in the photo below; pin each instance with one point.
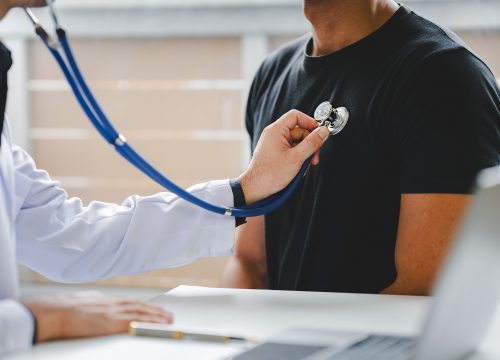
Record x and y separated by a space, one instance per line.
316 2
7 5
28 3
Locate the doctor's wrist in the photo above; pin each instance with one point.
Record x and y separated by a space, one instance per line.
48 321
34 339
250 192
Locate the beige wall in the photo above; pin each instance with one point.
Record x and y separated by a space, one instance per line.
149 88
178 101
486 44
148 59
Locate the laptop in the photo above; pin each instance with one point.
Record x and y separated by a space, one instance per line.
466 295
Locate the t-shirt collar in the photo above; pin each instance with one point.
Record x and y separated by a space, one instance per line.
374 43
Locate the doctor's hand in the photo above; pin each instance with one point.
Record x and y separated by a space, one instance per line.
282 149
87 314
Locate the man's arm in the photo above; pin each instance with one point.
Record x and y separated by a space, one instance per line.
427 225
247 266
442 148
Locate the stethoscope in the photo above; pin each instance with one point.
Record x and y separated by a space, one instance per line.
334 119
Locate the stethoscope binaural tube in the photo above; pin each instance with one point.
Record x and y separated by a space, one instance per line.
100 121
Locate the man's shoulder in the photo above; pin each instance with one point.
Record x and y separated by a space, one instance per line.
426 34
432 46
452 66
432 53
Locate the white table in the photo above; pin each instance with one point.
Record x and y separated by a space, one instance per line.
258 314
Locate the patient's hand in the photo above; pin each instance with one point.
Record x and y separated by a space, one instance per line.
87 314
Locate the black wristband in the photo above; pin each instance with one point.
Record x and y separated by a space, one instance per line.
239 199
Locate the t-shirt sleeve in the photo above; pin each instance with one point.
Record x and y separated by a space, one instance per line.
251 108
257 89
447 124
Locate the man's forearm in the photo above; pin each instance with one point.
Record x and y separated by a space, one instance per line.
247 268
417 279
427 226
242 275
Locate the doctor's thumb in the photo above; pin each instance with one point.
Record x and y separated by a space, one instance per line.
311 144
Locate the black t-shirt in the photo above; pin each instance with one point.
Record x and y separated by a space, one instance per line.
424 118
5 64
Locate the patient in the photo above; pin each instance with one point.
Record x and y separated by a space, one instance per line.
378 213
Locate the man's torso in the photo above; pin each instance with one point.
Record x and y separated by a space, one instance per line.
338 232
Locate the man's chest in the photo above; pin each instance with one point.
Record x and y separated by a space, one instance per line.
364 151
367 127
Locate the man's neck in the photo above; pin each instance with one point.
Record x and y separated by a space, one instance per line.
340 23
4 9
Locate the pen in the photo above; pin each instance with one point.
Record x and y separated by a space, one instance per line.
167 332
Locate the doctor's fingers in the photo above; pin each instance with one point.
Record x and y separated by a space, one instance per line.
122 321
143 309
311 145
96 299
132 302
111 323
295 118
297 135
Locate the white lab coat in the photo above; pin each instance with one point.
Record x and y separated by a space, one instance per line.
67 242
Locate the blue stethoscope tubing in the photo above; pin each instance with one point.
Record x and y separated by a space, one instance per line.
84 95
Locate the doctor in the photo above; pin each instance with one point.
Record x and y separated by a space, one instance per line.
67 242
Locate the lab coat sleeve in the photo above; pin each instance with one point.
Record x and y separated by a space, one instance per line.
16 325
67 242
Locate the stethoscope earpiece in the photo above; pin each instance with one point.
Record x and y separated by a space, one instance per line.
334 119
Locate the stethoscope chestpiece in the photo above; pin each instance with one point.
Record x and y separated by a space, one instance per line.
334 119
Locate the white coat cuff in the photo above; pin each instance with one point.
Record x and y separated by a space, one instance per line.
16 326
222 243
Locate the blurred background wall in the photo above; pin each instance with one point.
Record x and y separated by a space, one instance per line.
173 75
